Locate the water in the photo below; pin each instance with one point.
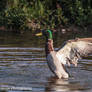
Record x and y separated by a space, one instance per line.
23 67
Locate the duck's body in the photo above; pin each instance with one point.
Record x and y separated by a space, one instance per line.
69 53
53 62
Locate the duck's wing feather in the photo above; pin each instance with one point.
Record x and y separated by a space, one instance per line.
73 50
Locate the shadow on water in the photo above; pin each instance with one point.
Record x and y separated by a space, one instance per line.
23 66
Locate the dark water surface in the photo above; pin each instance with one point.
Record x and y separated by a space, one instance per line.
23 66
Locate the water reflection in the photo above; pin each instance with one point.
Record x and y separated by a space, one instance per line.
64 85
55 84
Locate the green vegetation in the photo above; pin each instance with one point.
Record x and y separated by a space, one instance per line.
39 14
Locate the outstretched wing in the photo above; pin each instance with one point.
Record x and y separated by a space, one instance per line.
74 50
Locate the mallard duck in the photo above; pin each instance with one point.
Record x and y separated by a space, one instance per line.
69 53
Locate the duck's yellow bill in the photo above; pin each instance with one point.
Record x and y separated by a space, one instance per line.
39 34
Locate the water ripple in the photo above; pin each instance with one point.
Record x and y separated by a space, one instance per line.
27 67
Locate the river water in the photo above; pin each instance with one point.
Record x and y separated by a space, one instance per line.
23 66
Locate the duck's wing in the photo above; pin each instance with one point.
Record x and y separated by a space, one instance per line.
73 50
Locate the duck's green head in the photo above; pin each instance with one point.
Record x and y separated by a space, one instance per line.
46 33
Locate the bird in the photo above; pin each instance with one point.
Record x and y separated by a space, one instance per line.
69 53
